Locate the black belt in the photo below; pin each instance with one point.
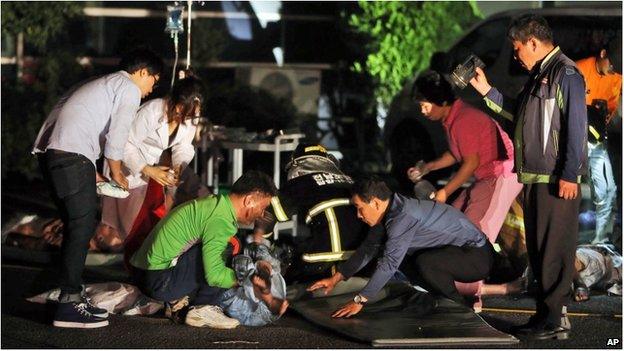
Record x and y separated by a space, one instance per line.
61 152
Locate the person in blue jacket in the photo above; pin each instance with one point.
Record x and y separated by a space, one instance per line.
550 141
432 242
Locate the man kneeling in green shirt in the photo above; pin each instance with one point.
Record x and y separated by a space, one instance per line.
183 255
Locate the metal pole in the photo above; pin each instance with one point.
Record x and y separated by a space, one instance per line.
175 63
188 35
19 55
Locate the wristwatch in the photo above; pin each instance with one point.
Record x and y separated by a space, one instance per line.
359 299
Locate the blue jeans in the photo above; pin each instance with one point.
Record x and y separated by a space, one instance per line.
603 189
240 302
186 278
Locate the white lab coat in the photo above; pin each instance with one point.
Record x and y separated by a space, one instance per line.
149 137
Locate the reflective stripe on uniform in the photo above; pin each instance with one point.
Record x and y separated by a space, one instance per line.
327 256
336 253
498 109
594 132
278 209
334 230
531 178
325 205
315 148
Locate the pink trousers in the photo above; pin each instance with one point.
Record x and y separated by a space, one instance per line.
486 203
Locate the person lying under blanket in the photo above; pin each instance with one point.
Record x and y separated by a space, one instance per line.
260 297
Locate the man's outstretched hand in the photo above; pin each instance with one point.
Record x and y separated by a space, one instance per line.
348 310
328 283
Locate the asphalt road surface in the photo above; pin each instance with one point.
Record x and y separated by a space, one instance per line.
27 325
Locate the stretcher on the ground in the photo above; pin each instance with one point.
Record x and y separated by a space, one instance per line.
400 316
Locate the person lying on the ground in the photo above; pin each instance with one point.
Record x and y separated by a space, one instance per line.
433 243
181 261
516 286
260 297
105 240
46 234
598 267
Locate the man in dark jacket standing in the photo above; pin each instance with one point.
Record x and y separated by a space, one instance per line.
550 140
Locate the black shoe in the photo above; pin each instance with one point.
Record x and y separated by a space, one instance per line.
548 331
177 310
76 315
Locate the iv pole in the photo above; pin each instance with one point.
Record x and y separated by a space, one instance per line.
188 33
208 139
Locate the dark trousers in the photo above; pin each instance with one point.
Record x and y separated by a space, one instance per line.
71 180
186 278
437 269
551 225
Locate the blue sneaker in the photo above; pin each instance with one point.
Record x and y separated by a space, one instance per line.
76 315
96 311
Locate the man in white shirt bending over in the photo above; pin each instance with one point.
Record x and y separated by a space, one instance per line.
91 117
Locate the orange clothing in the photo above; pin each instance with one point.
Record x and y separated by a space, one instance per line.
606 87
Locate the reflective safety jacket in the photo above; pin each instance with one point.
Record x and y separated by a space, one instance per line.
322 201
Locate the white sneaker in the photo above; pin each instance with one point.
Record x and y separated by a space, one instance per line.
210 316
111 189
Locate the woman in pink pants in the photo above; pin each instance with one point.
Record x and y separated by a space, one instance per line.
484 151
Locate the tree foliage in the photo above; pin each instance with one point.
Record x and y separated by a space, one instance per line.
208 41
404 35
38 20
25 104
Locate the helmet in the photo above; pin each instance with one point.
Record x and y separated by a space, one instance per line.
307 150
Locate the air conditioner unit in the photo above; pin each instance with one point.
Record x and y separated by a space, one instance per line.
301 86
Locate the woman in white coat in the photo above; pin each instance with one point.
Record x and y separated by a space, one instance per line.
161 124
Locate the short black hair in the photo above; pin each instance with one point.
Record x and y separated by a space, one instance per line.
431 86
526 26
252 181
371 186
140 58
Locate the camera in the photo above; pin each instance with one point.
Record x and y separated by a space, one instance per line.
464 72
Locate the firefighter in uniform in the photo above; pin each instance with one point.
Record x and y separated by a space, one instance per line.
318 192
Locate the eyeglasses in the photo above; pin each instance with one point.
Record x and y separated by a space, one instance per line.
156 79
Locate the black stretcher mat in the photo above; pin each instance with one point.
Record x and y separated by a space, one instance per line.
403 316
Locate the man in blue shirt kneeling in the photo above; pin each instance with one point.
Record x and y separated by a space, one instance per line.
436 240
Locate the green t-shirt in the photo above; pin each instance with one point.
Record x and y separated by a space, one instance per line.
209 221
